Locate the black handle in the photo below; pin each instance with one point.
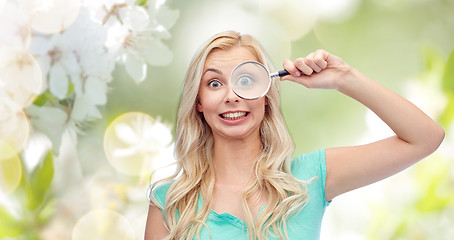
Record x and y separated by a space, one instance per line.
282 73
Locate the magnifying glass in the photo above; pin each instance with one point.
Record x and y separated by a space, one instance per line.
252 80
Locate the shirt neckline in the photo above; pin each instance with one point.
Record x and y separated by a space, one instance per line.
227 217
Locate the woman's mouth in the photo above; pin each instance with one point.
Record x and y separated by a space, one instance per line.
233 115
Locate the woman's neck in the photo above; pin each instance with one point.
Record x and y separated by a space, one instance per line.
233 159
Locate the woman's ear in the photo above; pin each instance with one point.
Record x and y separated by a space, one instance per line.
199 106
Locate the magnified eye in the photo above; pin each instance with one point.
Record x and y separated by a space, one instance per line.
245 80
250 80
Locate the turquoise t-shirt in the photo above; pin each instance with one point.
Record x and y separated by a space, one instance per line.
303 225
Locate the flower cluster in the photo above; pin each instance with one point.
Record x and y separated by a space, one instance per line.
57 59
60 73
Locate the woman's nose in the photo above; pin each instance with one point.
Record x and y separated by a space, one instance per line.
231 96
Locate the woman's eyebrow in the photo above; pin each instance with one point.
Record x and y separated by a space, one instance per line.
215 70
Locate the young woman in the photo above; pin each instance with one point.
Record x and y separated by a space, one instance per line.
235 177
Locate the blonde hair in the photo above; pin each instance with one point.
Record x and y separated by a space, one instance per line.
194 148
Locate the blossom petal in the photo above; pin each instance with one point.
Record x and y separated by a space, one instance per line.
156 53
49 120
58 82
71 63
14 27
14 125
167 17
137 19
93 112
84 109
124 152
40 45
53 17
96 91
79 110
135 67
158 136
126 134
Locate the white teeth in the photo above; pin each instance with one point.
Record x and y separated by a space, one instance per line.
233 116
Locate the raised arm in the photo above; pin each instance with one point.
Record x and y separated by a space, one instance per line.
348 168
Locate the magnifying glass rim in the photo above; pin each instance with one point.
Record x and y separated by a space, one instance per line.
269 80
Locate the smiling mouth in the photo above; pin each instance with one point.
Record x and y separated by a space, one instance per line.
233 116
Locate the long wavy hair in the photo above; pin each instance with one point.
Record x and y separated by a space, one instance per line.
194 152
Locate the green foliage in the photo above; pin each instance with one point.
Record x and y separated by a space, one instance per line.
48 97
434 61
141 2
448 75
35 198
39 182
434 177
448 88
400 230
9 226
45 97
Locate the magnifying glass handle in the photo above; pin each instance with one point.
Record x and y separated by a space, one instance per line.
282 73
279 73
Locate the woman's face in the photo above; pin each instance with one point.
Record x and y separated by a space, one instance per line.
228 115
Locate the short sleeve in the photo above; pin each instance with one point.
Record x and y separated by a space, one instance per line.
312 166
160 194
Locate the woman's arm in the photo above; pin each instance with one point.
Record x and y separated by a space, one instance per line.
348 168
155 228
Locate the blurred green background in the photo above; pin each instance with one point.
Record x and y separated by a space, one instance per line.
403 44
406 45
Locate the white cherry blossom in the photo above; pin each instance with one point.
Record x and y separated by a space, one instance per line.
82 60
50 16
14 126
58 62
135 33
20 75
142 135
14 27
134 140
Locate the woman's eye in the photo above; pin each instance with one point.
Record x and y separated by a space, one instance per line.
245 81
214 84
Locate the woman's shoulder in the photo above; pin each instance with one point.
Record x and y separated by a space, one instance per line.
311 167
159 193
311 157
308 165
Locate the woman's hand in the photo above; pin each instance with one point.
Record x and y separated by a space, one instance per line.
319 69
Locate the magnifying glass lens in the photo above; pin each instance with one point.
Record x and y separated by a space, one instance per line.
250 80
246 81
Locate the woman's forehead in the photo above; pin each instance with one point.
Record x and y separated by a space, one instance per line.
231 55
